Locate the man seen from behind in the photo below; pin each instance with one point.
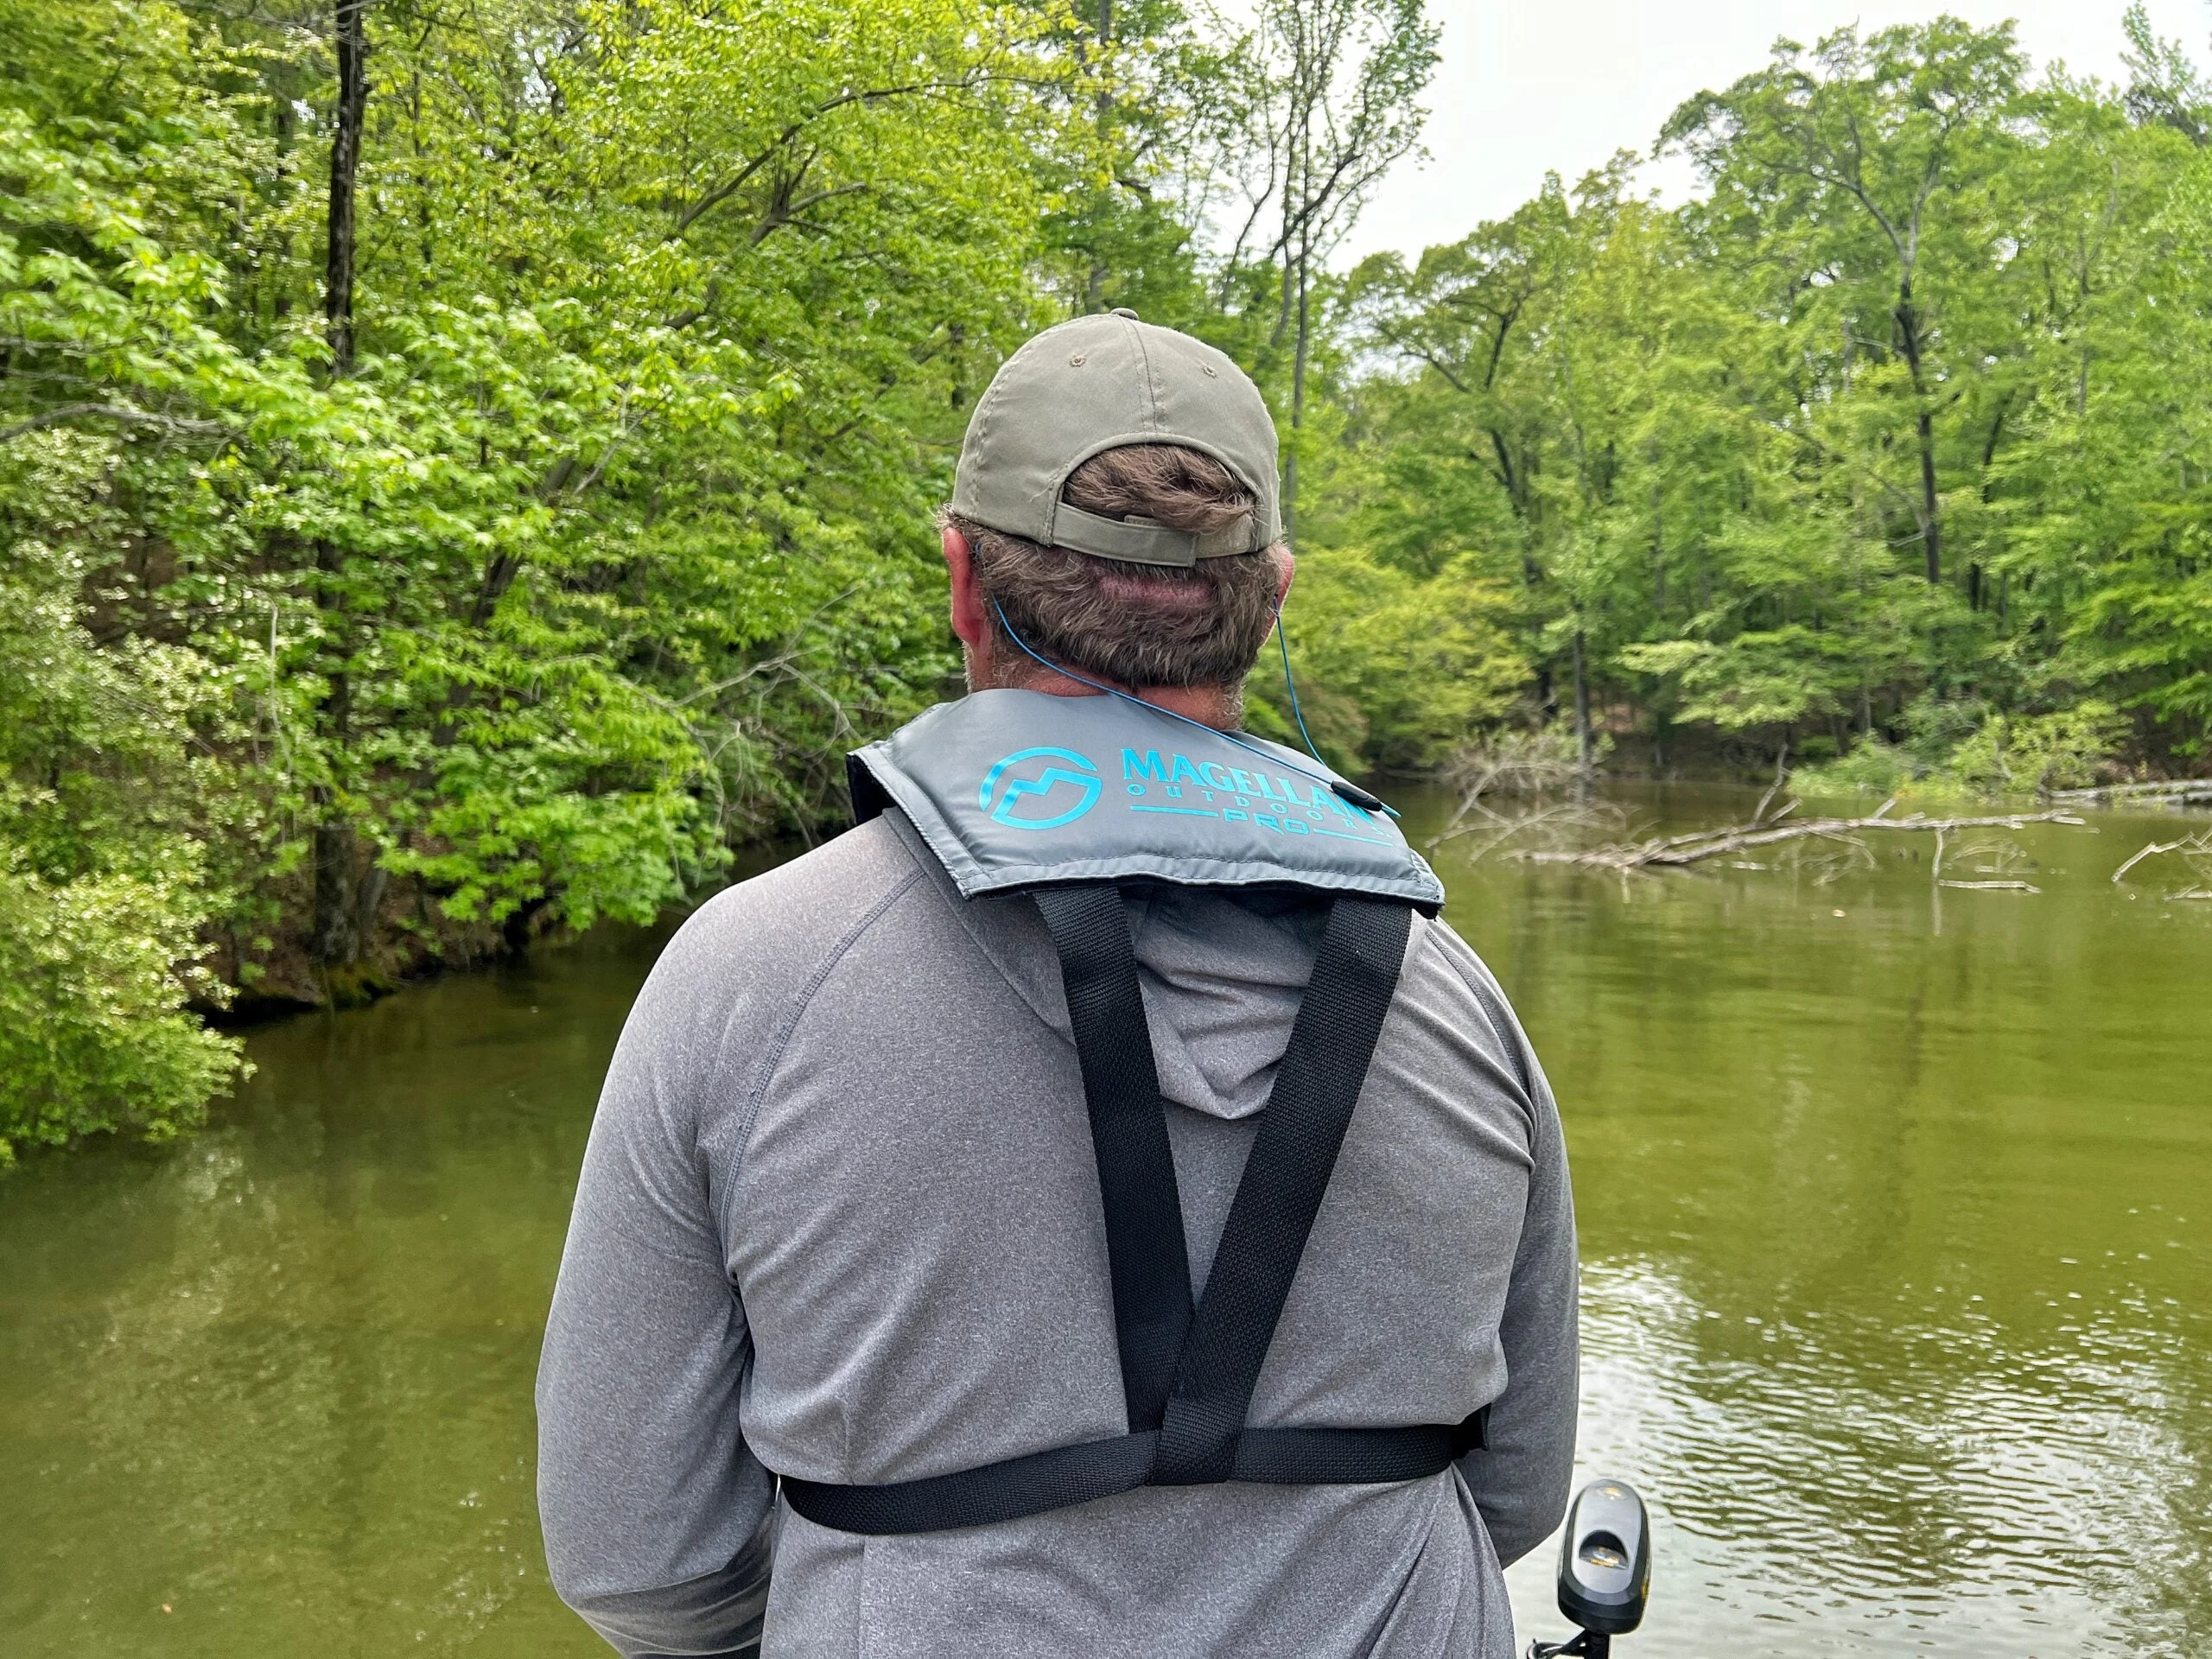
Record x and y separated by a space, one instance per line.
1095 1206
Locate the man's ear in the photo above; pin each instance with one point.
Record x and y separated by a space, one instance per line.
970 616
1285 571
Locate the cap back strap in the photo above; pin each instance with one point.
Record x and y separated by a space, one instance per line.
1140 541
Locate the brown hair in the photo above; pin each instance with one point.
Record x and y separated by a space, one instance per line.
1140 624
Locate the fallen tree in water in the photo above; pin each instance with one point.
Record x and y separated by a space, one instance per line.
1530 767
2180 791
2196 853
1678 852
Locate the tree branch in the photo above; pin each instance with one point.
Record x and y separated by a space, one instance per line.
1679 851
119 412
780 216
722 193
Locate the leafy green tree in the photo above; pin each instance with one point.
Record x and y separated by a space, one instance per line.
1329 97
526 531
2164 88
461 471
2110 552
1864 181
1889 436
106 887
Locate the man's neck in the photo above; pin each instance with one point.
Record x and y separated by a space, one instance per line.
1221 706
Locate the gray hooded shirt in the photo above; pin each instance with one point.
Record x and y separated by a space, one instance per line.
839 1218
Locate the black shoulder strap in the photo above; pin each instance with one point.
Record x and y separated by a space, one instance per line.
1188 1377
1145 1248
1317 1085
869 797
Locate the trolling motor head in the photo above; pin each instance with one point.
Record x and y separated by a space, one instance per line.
1605 1569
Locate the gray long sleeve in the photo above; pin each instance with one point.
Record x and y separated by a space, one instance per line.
839 1214
644 1349
1521 1477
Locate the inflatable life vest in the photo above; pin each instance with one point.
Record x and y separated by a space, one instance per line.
1070 799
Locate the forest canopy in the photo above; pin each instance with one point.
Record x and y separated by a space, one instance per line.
467 467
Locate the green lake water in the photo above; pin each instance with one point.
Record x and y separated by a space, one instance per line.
1897 1223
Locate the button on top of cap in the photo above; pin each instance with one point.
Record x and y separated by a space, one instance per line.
1123 311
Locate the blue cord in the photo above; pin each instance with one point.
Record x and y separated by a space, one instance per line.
1296 713
1351 792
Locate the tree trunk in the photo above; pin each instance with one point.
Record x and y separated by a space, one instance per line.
281 305
1585 758
1297 401
1095 289
337 921
1931 532
336 939
345 168
1977 584
336 936
1931 535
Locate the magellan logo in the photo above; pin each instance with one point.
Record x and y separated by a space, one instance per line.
1030 781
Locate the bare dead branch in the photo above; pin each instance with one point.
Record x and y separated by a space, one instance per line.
1781 777
2196 851
2150 851
1679 851
2179 792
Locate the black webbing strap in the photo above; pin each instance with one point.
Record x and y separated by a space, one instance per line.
1077 1474
1145 1249
1189 1376
1317 1084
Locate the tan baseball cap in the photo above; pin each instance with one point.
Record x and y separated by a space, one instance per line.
1101 383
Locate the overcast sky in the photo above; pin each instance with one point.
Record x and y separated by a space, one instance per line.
1527 87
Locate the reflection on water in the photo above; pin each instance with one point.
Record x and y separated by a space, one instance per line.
1895 1245
269 1392
1975 1502
1894 1228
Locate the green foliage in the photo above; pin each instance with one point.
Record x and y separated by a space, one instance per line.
104 886
1393 670
610 537
582 544
1906 413
1970 753
93 1037
608 531
2165 87
2026 754
1874 766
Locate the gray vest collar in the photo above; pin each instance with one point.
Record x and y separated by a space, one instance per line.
1017 789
